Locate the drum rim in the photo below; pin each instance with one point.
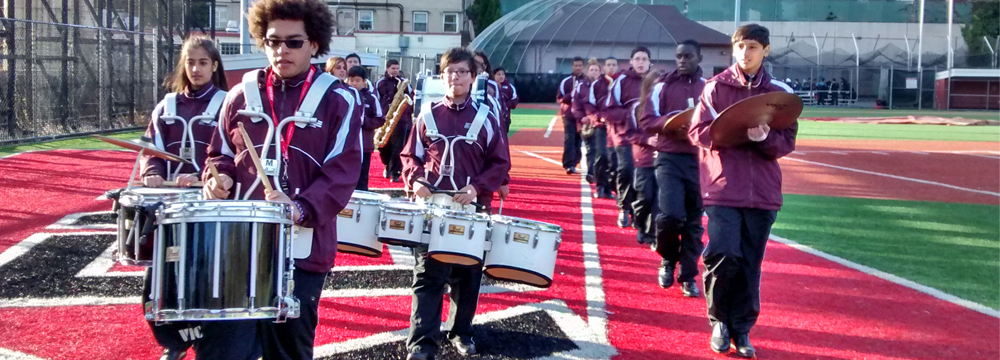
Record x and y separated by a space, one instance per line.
389 205
255 211
487 268
373 197
376 253
459 215
479 260
526 223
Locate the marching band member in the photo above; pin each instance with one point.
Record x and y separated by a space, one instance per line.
353 59
508 93
337 67
496 101
357 77
588 119
678 224
621 99
644 208
199 85
606 162
571 134
386 89
315 173
741 188
477 167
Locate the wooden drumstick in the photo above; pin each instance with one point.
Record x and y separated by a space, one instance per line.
215 172
256 159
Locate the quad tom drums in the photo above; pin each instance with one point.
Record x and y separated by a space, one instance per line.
522 250
357 223
135 210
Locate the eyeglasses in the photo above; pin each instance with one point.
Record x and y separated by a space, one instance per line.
460 73
290 43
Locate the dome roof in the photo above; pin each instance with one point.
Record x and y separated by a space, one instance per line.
541 35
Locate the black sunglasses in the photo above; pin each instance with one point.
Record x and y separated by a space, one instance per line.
291 44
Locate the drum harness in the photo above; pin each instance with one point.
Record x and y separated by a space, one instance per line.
187 137
303 116
447 168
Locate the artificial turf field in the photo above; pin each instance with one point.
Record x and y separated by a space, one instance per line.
922 210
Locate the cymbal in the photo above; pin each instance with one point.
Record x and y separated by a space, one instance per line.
676 126
778 109
146 148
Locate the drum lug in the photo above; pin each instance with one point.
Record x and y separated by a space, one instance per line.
411 225
472 231
441 228
535 243
507 237
357 216
558 242
383 221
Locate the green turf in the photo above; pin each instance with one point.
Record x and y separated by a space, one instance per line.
83 142
954 248
540 118
531 119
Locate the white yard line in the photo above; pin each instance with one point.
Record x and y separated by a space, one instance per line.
897 177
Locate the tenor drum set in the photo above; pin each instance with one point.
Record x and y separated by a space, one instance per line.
208 259
509 248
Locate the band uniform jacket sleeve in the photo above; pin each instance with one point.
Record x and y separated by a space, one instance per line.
152 165
511 93
652 119
580 99
701 120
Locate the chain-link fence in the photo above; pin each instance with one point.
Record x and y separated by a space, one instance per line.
59 79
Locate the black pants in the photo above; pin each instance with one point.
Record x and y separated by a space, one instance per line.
250 339
598 157
366 165
173 335
623 177
390 153
571 143
678 226
645 207
429 278
737 238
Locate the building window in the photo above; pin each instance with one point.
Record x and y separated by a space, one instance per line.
221 17
420 21
366 20
229 48
451 22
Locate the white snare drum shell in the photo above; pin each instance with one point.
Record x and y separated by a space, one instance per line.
458 237
356 225
523 251
400 223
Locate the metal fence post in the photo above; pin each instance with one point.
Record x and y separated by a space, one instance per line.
892 73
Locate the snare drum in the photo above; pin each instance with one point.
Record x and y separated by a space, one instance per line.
458 237
135 212
222 259
401 223
522 250
357 222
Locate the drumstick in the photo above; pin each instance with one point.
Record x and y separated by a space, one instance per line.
215 172
256 159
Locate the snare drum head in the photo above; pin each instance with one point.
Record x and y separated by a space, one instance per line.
403 205
146 195
363 197
233 210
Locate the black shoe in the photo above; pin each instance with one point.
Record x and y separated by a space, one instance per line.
666 276
395 179
743 347
720 338
624 218
590 179
570 171
169 354
690 289
465 346
420 355
385 173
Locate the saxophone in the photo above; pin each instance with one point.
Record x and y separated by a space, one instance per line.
399 104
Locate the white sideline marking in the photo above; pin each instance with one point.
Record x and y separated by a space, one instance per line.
597 318
68 222
892 278
14 355
551 125
926 182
